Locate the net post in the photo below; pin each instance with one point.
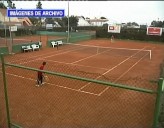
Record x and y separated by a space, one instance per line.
158 102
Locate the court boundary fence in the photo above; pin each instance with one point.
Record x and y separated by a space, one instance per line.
158 92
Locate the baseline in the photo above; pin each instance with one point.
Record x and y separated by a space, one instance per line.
55 85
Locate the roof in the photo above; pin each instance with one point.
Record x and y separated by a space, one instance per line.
26 20
97 20
12 23
19 20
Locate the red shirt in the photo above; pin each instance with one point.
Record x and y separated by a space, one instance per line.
41 68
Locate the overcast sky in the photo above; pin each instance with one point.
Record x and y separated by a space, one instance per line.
142 12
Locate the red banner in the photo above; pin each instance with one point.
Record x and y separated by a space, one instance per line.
114 28
154 31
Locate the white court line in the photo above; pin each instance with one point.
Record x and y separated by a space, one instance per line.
39 55
113 67
89 57
109 47
63 53
45 57
76 64
125 72
77 90
50 56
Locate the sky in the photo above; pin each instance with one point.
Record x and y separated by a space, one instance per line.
141 12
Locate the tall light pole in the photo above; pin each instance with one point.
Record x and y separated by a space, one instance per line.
5 91
4 26
11 40
68 23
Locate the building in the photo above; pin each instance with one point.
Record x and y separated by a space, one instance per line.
96 22
82 21
25 21
13 21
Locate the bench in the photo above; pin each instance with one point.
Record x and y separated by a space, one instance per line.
60 42
35 47
26 48
54 44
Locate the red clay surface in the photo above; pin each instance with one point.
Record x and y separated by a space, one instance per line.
63 102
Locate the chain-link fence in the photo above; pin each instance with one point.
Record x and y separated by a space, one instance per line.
73 96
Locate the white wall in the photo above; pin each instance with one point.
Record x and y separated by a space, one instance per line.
83 22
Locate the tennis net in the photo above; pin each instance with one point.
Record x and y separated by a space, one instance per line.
111 51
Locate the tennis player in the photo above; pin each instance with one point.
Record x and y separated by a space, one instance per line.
40 75
57 46
112 38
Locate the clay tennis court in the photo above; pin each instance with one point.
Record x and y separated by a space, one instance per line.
64 102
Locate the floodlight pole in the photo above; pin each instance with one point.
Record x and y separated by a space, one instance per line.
11 40
68 23
5 35
5 28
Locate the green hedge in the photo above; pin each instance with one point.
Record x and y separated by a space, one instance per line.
64 29
19 32
131 34
18 48
2 33
4 50
101 32
81 38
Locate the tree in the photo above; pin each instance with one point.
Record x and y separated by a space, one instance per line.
49 21
13 6
160 24
143 26
132 24
64 21
9 3
73 21
34 21
135 24
2 6
129 24
60 22
155 23
105 26
39 5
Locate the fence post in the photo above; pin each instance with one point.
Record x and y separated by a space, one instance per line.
5 90
158 103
